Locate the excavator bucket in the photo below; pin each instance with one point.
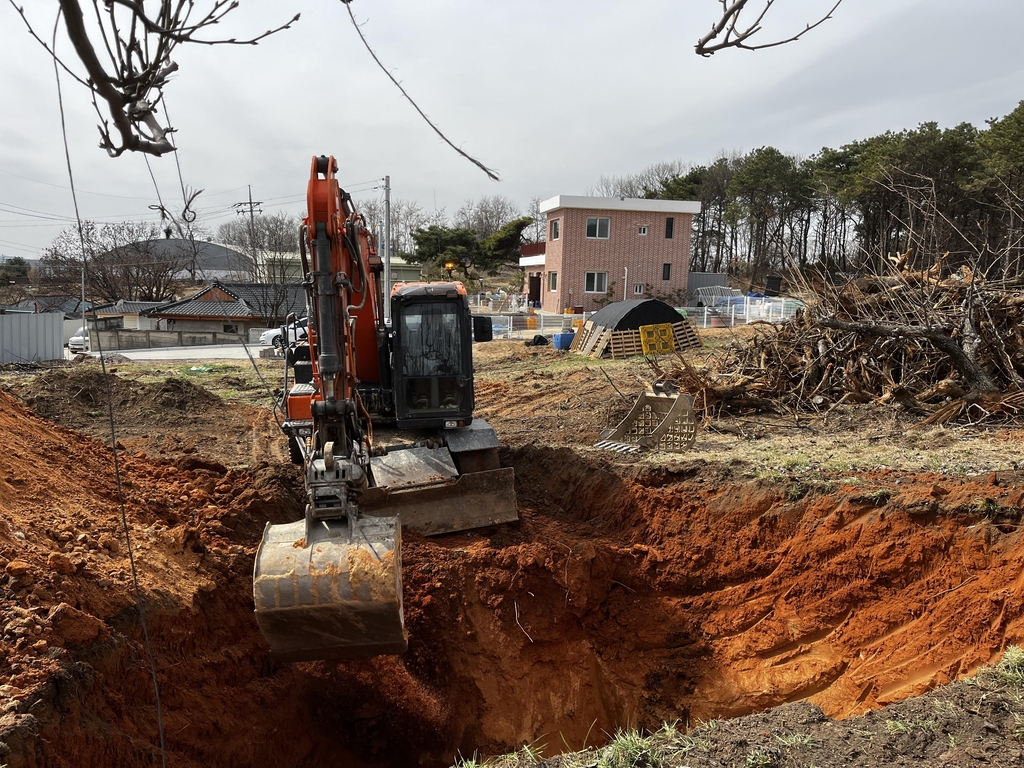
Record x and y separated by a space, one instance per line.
331 590
656 422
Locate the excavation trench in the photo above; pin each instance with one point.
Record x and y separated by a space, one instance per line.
628 595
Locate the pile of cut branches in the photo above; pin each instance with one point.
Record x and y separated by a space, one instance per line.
949 348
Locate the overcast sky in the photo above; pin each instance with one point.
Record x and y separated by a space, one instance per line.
551 94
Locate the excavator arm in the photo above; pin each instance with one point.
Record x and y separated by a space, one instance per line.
330 586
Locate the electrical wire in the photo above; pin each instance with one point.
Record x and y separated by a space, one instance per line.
220 302
113 429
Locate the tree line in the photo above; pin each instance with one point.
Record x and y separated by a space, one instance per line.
955 194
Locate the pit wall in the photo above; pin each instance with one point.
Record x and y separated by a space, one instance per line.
628 595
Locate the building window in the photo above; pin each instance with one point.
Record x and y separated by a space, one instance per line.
666 271
642 231
598 227
230 328
552 281
555 227
670 227
595 282
638 289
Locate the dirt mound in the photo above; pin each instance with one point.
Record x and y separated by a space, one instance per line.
170 416
75 397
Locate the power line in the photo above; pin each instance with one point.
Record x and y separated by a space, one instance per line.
113 431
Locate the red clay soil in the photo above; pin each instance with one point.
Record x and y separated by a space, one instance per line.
626 596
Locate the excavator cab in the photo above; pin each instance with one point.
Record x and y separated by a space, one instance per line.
432 356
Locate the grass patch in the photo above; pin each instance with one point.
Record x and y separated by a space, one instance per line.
797 740
986 506
629 749
764 758
903 727
1010 669
879 496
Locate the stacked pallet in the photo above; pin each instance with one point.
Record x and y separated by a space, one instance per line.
597 341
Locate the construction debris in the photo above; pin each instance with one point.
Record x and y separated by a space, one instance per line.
948 349
627 328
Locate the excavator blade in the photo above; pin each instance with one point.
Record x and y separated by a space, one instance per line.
475 500
332 592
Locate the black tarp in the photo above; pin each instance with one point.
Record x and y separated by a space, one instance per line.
630 315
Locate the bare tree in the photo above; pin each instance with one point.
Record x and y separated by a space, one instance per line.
122 261
537 231
372 209
125 53
486 215
12 294
406 217
733 30
636 185
270 241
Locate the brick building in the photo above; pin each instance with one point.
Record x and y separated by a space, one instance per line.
601 248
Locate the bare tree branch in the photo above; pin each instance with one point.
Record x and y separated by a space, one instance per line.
728 33
136 63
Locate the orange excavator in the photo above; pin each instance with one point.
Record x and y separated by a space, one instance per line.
380 415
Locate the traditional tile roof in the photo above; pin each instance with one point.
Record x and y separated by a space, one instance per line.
127 307
237 300
69 305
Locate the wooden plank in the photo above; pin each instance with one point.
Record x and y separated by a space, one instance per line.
626 344
594 338
602 344
578 340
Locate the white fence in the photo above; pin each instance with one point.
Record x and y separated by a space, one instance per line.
525 326
740 311
28 338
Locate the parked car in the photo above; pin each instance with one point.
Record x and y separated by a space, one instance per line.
79 342
274 336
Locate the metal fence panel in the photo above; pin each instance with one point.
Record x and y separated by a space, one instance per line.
27 338
523 326
697 280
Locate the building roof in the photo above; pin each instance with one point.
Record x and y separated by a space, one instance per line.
123 307
237 301
69 305
209 256
620 204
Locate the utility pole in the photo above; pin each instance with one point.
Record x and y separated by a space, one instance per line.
387 248
240 209
87 343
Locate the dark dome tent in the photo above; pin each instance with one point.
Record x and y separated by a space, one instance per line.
630 315
616 329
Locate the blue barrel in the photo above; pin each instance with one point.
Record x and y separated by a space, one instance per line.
563 340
